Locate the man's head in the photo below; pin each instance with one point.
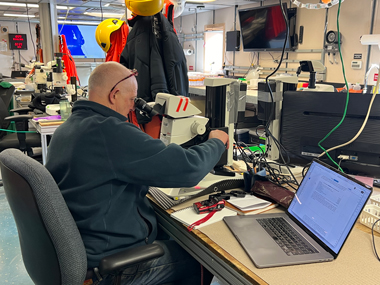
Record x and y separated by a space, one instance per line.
114 86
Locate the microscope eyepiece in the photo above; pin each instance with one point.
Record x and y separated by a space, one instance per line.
143 107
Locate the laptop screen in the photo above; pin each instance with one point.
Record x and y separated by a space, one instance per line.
328 204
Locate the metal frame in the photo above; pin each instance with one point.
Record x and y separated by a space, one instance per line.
44 132
216 265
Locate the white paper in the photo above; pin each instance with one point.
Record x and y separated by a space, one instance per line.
248 203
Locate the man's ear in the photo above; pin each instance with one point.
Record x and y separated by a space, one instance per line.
112 96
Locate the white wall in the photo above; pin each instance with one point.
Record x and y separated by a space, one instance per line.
352 26
7 58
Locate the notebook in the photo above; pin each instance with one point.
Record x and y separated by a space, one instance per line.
250 212
188 216
321 215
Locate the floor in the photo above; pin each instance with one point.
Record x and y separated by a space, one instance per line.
12 270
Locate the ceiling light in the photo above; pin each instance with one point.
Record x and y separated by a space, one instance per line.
32 5
107 15
199 1
19 15
78 23
19 4
64 7
13 4
106 5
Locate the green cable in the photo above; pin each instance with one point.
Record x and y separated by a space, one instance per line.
12 131
347 100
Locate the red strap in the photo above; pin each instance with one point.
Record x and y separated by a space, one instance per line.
201 221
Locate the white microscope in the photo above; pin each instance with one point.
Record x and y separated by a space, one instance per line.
182 125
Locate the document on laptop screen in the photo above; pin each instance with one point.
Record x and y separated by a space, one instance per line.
330 206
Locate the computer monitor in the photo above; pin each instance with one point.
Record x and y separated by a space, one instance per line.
264 28
307 117
81 41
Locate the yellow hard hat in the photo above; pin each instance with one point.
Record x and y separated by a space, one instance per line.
104 30
144 7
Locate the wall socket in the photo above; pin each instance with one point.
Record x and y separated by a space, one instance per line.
356 64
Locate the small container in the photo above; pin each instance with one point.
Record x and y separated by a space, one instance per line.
369 215
64 109
357 87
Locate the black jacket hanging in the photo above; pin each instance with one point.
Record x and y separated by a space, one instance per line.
154 50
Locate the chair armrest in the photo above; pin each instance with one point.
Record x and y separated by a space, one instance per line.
18 118
23 92
132 256
21 111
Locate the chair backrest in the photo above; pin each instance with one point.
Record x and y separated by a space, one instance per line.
6 97
51 245
6 94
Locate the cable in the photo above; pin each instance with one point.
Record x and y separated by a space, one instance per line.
250 66
373 240
24 59
30 31
64 20
306 167
225 56
267 131
12 131
274 60
279 64
347 100
363 125
330 58
101 10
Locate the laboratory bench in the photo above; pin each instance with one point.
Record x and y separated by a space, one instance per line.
217 249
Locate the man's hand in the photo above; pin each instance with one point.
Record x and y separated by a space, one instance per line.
218 134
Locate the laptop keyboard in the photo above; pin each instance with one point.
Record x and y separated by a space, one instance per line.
291 242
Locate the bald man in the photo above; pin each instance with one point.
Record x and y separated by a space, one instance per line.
104 166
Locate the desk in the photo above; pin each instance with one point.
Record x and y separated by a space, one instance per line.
45 130
208 253
356 263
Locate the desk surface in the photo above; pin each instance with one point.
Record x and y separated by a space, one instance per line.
217 249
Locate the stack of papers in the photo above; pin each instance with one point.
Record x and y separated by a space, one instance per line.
249 205
53 118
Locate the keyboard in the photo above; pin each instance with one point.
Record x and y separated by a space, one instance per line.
290 241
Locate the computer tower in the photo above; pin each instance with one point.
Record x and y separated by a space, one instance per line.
233 41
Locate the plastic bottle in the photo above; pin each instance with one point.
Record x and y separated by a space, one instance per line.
65 109
357 87
253 77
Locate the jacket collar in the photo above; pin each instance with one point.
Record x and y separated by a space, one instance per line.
97 108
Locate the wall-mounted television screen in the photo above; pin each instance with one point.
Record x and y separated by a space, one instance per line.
264 28
81 41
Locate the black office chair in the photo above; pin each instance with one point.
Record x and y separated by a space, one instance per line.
51 245
23 141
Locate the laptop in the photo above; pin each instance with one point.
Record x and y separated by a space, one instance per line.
320 217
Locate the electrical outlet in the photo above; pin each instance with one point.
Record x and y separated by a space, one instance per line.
356 64
4 29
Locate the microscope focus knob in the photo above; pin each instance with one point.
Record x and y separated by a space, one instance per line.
198 128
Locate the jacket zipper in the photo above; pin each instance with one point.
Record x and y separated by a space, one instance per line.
146 223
